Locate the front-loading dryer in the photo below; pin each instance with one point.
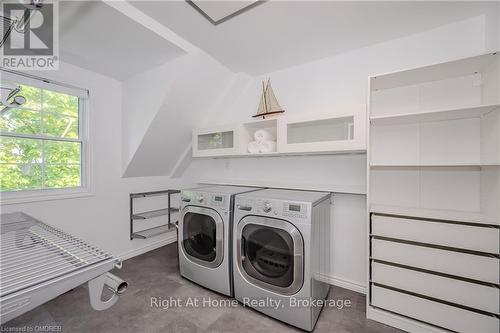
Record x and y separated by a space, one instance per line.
205 236
281 253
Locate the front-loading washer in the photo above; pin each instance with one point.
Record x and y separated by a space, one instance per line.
281 252
205 236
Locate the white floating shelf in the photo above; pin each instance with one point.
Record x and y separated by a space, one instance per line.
434 115
335 188
439 214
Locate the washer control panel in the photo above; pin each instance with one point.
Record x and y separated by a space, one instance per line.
293 209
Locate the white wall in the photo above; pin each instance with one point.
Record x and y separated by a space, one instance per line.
317 87
102 219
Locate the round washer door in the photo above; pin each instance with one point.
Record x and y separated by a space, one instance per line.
270 254
201 233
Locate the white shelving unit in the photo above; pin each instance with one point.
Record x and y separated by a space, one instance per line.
434 157
342 130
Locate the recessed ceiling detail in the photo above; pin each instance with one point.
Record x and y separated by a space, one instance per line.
218 12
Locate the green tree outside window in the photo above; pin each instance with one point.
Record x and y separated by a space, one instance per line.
40 146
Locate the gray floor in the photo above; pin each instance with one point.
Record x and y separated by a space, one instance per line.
156 274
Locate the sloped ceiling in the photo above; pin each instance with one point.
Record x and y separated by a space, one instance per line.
279 34
97 37
192 87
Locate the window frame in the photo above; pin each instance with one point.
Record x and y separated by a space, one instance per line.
86 185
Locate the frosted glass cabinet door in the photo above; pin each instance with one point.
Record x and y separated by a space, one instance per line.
342 130
216 141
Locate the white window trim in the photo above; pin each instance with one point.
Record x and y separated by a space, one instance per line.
87 188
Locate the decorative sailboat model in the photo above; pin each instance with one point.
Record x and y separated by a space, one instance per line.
268 102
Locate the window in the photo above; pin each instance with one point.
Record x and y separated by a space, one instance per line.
42 135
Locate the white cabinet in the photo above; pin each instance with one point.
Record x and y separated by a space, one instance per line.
343 130
216 141
434 196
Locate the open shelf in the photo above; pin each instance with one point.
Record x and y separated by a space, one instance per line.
454 90
434 115
153 213
471 139
438 214
248 134
435 72
148 233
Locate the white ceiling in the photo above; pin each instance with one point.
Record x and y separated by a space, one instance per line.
279 34
99 38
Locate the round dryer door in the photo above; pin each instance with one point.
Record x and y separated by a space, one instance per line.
202 235
270 254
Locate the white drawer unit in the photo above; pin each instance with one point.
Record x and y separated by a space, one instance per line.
473 295
477 267
456 235
436 313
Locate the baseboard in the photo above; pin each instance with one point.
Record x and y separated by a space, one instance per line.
171 238
402 323
343 283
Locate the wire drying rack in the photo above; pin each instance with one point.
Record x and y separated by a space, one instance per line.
34 252
39 262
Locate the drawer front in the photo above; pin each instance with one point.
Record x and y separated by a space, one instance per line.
456 291
435 313
446 234
449 262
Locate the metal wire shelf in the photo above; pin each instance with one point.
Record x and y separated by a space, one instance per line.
157 230
154 213
154 231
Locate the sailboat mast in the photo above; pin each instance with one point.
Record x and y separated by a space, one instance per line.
264 91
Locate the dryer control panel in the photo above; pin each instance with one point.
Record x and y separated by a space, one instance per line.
273 207
218 200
